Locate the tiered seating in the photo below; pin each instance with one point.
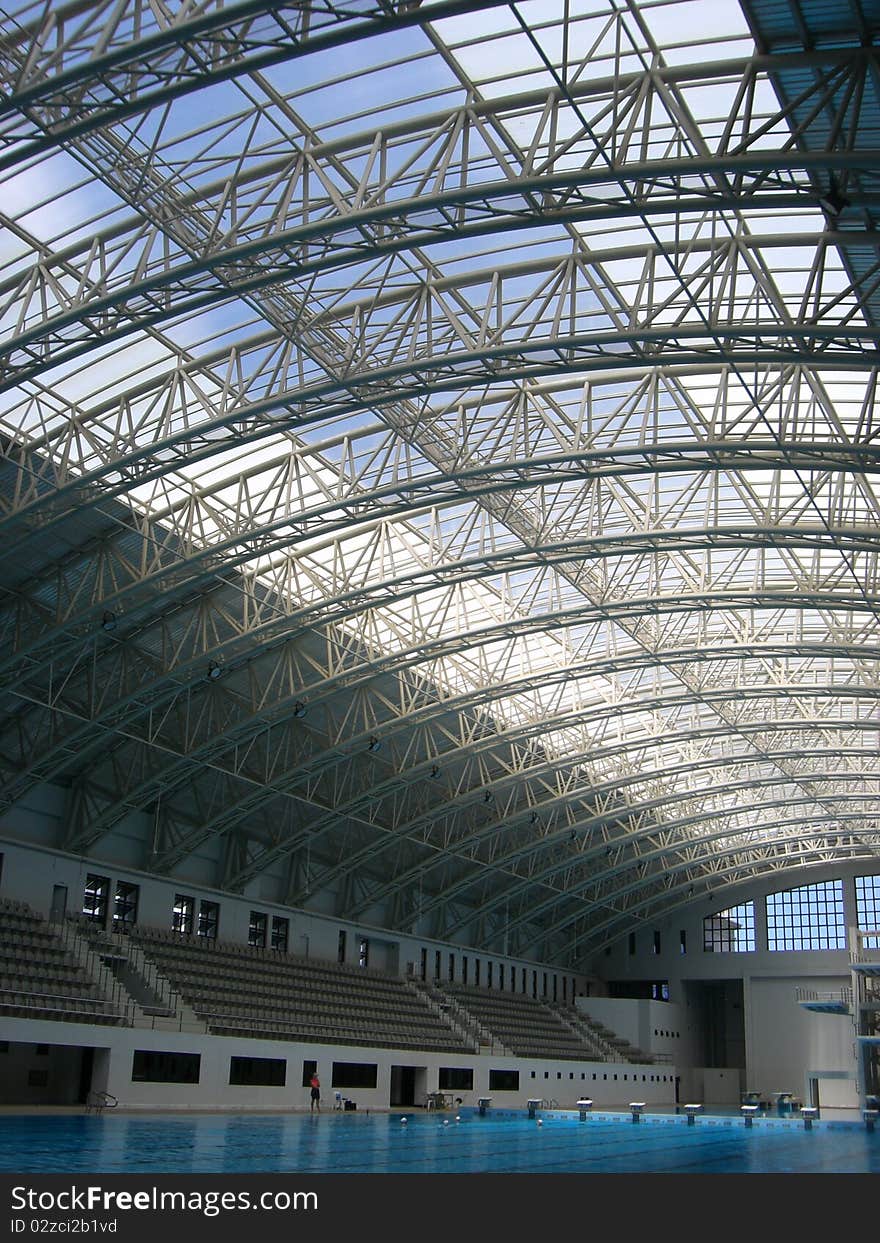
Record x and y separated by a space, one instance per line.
239 990
39 977
618 1046
526 1027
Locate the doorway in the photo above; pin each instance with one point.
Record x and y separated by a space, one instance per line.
407 1085
59 903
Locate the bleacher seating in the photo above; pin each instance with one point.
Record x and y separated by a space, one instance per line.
40 978
618 1045
609 1047
245 991
525 1026
239 990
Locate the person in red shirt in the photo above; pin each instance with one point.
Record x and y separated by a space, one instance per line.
315 1084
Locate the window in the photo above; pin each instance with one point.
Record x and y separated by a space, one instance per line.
451 966
309 1069
731 931
682 942
503 1080
95 899
544 994
656 944
524 981
437 962
476 971
280 933
455 1079
363 961
424 965
501 976
257 929
182 914
258 1072
631 944
38 1078
868 908
340 947
489 967
534 984
354 1074
209 920
809 918
464 969
125 905
151 1066
656 989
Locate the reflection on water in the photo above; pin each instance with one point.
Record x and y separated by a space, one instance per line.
381 1143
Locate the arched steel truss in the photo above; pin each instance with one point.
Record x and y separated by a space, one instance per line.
439 451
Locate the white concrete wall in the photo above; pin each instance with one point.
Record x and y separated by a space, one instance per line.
784 1043
711 1086
788 1042
652 1026
607 1084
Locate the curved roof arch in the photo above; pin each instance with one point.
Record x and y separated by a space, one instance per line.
439 449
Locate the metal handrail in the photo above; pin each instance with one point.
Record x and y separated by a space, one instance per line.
30 997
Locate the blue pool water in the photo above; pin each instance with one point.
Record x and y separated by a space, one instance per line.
380 1143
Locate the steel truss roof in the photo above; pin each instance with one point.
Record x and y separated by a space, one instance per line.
439 450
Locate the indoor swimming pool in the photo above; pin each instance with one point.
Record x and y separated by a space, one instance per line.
557 1143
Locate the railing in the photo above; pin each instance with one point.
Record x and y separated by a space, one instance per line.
118 944
576 1023
308 1030
47 1003
97 1102
77 946
843 996
864 945
114 1000
447 1008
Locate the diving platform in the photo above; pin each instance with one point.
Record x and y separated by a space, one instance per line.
838 1002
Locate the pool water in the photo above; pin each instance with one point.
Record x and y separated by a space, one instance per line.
382 1143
